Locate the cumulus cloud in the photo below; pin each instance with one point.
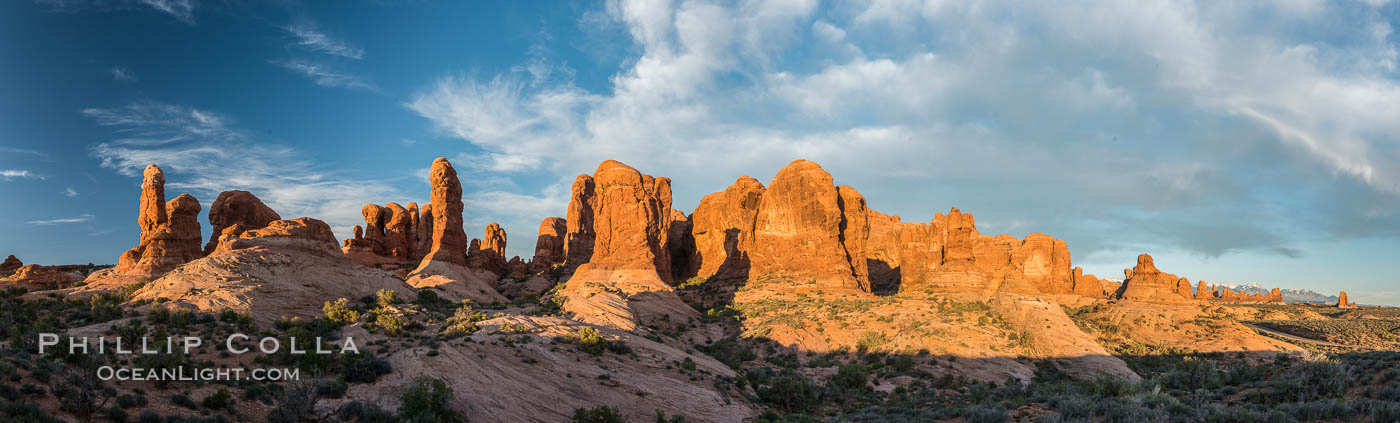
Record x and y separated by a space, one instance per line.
204 153
80 219
1098 122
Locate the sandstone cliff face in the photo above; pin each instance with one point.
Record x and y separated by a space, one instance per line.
801 227
722 228
237 208
899 251
625 280
1145 283
549 246
449 243
170 233
10 265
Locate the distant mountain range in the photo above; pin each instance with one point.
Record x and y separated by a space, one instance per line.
1290 295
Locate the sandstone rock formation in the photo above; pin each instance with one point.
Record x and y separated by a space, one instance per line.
170 233
10 265
38 278
1145 283
423 232
722 228
287 268
624 282
801 229
398 233
1344 302
237 208
449 241
549 247
489 252
1088 285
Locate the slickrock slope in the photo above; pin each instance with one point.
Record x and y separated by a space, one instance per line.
288 268
10 265
236 208
170 234
549 247
502 389
624 282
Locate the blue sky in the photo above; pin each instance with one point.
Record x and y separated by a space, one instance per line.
1235 141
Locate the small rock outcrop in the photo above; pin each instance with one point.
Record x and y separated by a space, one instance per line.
170 232
549 247
34 277
10 265
237 208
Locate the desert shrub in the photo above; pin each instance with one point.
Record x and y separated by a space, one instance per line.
116 415
985 413
331 388
128 401
387 297
339 311
17 411
591 341
184 401
1310 380
851 376
1190 374
871 341
363 368
427 400
789 391
391 323
364 412
730 351
294 402
1327 409
599 414
218 400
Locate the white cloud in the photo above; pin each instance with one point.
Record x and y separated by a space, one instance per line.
180 9
80 219
69 192
1111 115
312 39
122 74
12 174
14 150
203 153
323 75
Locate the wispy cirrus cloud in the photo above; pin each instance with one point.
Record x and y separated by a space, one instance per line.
12 174
324 76
182 10
309 37
121 73
205 153
70 192
86 217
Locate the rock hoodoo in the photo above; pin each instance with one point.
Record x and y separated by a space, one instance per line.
170 233
722 227
549 247
489 252
624 281
237 208
1344 302
449 241
801 227
1145 283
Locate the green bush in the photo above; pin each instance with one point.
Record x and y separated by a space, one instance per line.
851 376
387 297
427 400
218 400
339 311
599 414
591 341
390 323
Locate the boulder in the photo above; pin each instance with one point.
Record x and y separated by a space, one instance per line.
237 207
549 247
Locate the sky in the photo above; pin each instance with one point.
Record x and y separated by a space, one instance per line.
1240 142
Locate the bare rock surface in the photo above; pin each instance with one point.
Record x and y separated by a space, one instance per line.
549 246
10 265
170 233
236 208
